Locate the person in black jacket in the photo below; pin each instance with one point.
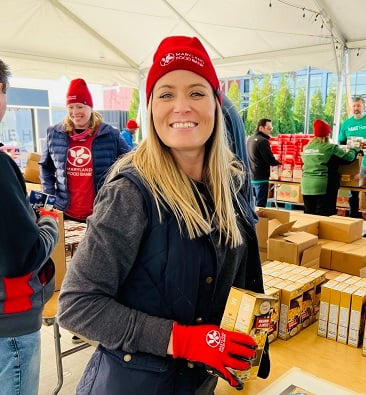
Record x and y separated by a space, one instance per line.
26 273
260 160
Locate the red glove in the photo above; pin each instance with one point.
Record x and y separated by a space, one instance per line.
217 348
43 212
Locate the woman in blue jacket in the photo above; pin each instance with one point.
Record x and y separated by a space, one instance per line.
78 153
171 232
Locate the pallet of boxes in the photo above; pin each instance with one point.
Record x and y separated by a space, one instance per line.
290 252
339 304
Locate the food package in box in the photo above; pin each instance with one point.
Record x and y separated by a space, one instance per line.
275 173
275 314
297 172
287 171
249 312
342 198
291 300
357 318
344 312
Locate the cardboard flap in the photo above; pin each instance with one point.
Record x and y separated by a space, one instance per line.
299 237
310 254
281 229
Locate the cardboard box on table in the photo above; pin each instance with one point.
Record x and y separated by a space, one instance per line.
350 259
357 318
299 248
339 228
326 249
344 312
305 223
324 307
249 312
334 303
269 219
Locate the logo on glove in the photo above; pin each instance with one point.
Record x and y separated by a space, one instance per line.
216 339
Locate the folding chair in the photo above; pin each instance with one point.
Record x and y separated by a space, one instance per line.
48 319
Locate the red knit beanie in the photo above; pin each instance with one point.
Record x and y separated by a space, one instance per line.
321 128
132 124
181 53
78 92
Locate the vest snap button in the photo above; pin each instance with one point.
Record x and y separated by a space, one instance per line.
209 280
190 365
199 320
127 357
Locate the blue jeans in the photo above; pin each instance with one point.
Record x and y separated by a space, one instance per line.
261 193
20 361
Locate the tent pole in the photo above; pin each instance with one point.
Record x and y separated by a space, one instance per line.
338 104
307 101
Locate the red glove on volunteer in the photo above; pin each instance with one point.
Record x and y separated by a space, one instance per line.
214 347
43 212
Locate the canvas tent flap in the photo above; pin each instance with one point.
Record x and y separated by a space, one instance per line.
113 41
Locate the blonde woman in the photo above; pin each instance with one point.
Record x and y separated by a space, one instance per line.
170 234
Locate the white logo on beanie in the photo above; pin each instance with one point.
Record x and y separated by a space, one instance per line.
186 56
165 60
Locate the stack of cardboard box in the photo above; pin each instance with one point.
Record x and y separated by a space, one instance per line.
343 310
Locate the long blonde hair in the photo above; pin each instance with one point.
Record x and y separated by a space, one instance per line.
95 120
171 187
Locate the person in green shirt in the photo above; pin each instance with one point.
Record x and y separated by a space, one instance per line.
320 180
354 126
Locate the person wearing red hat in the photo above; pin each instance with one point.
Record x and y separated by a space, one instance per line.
177 234
320 180
78 153
128 132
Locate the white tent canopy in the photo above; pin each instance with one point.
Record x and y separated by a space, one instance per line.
113 41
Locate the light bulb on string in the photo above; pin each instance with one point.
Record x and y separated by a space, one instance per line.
303 15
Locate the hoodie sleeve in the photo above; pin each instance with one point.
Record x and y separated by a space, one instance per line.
24 244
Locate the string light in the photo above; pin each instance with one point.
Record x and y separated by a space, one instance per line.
358 52
317 14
